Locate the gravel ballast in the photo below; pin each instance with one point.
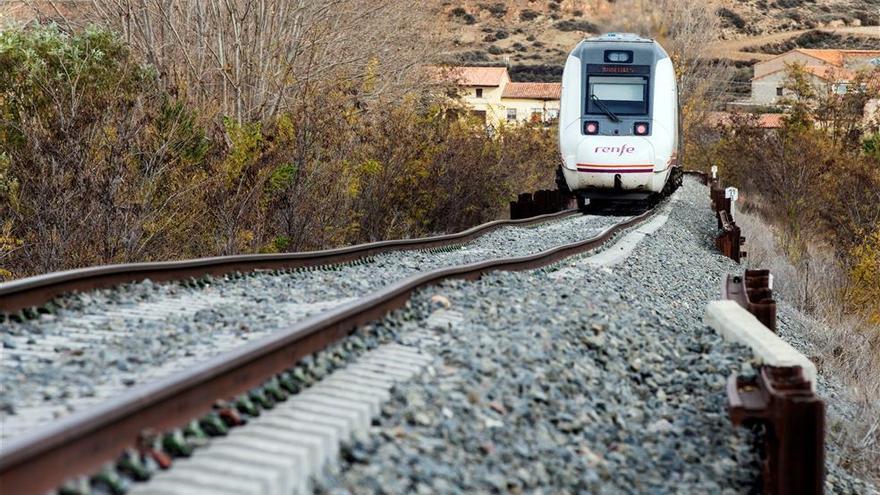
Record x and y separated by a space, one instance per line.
572 379
104 341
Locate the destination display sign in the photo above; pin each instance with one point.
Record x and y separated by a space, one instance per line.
618 69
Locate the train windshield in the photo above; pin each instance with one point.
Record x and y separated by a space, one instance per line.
620 95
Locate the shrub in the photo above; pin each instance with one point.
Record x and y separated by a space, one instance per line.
115 169
576 25
498 9
105 165
528 15
731 18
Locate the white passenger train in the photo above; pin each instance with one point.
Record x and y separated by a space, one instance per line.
619 121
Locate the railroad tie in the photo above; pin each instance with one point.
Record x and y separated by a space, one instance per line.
278 452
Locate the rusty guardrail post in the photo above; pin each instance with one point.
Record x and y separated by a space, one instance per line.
781 400
730 240
754 292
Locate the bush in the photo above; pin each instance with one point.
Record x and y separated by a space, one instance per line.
576 25
731 18
528 15
115 169
102 166
498 9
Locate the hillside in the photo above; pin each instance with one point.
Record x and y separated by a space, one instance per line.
533 36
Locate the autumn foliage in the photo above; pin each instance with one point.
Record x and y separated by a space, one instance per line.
817 177
105 160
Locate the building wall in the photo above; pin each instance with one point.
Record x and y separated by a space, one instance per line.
496 107
525 107
764 90
489 102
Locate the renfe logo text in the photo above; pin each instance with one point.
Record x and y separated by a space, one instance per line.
620 150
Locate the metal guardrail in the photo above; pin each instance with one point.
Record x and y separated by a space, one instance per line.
779 402
730 240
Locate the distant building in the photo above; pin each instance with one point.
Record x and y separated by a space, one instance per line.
494 98
835 67
761 120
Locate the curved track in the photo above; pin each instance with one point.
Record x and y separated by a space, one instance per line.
81 443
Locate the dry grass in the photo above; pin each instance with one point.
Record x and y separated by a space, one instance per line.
845 347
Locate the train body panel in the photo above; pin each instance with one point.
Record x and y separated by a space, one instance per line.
619 118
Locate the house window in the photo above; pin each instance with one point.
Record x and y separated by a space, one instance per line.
479 92
511 114
842 89
779 91
552 114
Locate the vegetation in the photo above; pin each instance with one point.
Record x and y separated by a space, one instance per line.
817 177
108 160
818 39
816 182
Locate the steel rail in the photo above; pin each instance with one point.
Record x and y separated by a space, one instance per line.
81 443
34 291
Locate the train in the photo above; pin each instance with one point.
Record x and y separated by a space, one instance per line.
619 122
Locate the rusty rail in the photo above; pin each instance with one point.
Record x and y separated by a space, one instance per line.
779 402
34 291
83 442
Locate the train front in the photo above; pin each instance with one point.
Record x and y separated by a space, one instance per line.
618 119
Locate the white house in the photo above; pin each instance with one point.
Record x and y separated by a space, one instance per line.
835 67
494 98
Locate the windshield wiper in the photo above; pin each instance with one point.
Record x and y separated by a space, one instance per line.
609 113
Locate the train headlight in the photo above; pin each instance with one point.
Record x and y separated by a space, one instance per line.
591 127
640 128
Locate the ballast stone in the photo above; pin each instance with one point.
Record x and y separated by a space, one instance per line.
734 323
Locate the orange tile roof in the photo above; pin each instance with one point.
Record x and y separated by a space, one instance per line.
833 57
764 120
470 76
838 57
533 91
832 74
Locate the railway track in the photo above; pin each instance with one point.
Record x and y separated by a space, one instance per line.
490 385
81 442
